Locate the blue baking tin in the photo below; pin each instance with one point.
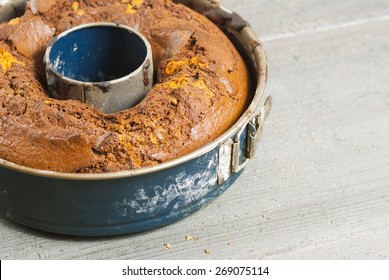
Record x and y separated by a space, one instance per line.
110 207
143 199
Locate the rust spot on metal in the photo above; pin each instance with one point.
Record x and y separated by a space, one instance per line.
254 45
146 66
104 86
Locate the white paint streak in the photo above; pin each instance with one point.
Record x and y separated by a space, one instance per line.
75 47
58 63
176 192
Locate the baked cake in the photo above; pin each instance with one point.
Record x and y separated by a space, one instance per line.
201 89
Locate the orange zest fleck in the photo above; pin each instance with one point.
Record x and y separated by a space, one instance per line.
7 60
132 6
125 141
175 65
178 82
130 10
14 21
75 6
76 9
184 81
80 12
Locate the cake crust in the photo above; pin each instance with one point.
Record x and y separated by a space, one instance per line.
202 88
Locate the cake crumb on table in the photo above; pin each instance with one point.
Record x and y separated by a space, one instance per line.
188 237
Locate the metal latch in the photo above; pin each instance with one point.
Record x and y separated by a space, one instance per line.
254 133
233 154
232 158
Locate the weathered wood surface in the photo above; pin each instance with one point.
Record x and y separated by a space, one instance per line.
319 186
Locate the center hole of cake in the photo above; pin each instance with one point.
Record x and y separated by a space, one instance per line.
106 65
98 54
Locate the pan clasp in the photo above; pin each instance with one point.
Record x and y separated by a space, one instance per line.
235 153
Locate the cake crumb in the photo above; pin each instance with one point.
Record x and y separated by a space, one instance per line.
188 237
207 251
167 246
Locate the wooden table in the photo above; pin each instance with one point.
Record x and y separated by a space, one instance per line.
319 186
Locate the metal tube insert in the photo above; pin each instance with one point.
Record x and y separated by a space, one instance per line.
103 64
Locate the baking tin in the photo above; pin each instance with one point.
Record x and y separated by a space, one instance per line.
147 198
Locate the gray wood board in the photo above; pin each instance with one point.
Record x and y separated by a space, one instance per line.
319 185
